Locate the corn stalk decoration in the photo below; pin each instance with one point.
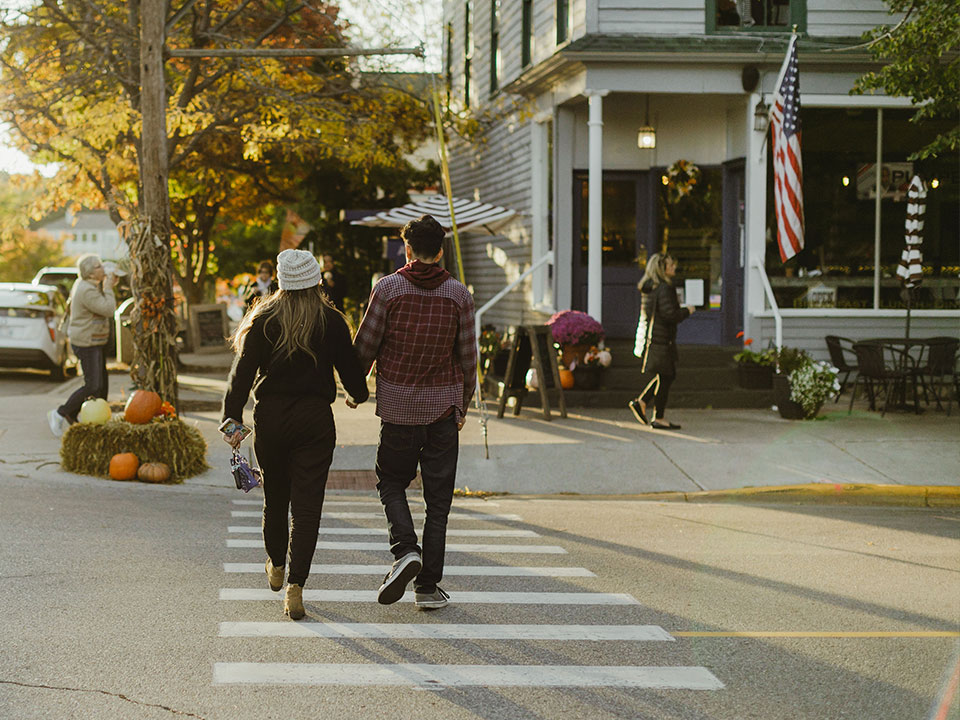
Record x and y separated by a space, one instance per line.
154 320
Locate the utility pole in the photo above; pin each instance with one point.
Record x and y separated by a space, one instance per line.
154 320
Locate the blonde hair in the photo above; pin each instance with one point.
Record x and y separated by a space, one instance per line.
655 270
298 313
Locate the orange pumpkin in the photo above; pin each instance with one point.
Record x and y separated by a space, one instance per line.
566 379
141 407
154 472
123 466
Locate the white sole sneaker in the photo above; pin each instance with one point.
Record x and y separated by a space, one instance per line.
395 584
433 601
56 422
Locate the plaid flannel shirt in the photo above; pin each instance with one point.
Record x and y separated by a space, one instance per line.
425 347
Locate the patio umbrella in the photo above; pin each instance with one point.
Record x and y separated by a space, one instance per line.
910 270
468 213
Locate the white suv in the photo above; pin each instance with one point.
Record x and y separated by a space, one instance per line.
32 333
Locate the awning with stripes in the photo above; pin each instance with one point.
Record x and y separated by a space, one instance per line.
470 215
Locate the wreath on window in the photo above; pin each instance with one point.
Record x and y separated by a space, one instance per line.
681 178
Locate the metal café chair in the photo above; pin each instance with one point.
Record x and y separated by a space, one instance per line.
873 369
843 358
938 371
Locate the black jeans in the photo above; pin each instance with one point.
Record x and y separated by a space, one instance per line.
434 448
93 364
294 444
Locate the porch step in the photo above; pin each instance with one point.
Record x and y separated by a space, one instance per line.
706 378
734 397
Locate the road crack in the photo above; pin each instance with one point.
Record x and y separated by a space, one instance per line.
121 696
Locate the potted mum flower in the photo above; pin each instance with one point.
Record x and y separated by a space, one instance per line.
575 332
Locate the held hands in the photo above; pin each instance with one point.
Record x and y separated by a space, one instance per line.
350 403
691 308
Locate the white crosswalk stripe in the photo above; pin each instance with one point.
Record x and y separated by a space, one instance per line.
451 532
422 675
375 503
448 570
385 547
436 631
466 598
379 515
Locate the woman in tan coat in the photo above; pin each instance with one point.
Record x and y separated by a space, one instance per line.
91 310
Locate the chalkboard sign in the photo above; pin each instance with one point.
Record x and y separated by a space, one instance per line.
208 328
532 347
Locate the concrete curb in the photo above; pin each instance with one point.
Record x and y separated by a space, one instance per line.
824 493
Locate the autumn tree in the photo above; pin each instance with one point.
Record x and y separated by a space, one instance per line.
241 131
921 56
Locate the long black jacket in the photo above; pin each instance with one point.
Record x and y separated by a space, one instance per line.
660 313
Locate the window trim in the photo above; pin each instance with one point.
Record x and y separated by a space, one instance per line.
467 50
798 17
495 59
563 20
527 38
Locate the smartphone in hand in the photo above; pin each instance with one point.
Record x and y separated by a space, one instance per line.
231 426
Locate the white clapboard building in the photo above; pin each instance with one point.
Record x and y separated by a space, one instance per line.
87 231
587 107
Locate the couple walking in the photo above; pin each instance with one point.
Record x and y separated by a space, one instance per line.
418 328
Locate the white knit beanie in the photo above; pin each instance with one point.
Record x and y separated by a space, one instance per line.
297 270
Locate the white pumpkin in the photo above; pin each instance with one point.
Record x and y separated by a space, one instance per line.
95 411
605 358
532 382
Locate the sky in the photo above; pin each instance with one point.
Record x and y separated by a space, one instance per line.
396 23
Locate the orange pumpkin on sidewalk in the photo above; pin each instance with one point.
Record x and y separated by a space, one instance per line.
141 407
123 466
566 379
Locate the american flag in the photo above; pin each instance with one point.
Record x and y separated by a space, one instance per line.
787 167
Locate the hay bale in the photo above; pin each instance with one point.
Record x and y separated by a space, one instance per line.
87 449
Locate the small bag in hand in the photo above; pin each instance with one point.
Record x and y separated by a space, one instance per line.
246 477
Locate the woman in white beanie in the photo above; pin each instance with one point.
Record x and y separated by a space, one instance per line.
287 347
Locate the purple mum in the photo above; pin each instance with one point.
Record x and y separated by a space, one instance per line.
572 327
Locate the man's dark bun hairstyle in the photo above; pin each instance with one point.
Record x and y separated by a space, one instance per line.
424 236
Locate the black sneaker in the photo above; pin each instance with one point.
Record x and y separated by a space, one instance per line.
395 583
432 601
637 411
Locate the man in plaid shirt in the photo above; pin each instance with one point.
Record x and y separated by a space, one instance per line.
419 329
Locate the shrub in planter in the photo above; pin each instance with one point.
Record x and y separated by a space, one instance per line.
754 368
801 392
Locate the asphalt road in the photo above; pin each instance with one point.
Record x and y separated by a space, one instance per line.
27 382
127 601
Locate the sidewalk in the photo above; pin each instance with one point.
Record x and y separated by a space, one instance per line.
591 452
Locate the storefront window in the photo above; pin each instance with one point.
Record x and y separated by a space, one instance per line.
619 222
690 230
836 266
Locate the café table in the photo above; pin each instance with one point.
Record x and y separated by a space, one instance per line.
904 354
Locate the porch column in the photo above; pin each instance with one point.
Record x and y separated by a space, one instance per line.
595 206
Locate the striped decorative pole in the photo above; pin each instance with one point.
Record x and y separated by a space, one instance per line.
910 269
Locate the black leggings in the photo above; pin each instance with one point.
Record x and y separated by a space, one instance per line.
660 371
295 440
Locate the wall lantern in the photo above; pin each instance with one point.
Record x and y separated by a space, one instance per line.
761 116
647 136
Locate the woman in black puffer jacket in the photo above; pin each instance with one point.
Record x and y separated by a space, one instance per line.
656 345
